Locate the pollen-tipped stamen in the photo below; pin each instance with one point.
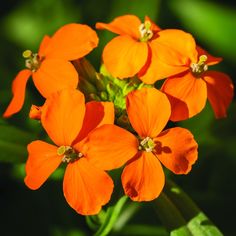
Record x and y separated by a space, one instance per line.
32 61
200 67
68 154
147 144
145 31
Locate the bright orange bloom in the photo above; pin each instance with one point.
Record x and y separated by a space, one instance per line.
143 178
188 91
68 121
50 67
140 47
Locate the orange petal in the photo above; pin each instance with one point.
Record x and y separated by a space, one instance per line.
181 42
72 41
172 53
148 110
109 147
177 150
18 90
63 115
143 178
86 188
154 28
124 57
123 25
220 92
210 59
54 75
44 44
187 95
35 112
42 162
105 114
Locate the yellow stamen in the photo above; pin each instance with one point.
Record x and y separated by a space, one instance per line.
27 54
147 144
32 61
200 67
145 31
68 154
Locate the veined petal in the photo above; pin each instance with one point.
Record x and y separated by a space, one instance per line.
109 147
18 90
181 42
42 162
105 114
143 178
172 53
71 41
176 149
86 188
44 44
54 75
124 57
186 94
158 69
148 111
210 59
63 115
123 25
220 91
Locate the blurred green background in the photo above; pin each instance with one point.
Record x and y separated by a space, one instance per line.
45 212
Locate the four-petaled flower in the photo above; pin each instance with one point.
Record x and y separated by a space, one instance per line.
140 48
143 178
68 121
188 91
51 68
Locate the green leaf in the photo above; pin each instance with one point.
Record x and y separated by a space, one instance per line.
180 215
111 217
170 216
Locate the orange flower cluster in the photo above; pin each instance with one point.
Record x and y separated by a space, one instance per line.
84 134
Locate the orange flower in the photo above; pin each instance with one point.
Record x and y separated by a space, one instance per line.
68 121
140 47
189 90
50 67
143 178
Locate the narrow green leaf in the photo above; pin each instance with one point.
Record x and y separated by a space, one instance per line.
170 216
197 222
111 217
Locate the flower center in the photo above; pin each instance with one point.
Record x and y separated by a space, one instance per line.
147 144
145 31
32 61
68 154
199 68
